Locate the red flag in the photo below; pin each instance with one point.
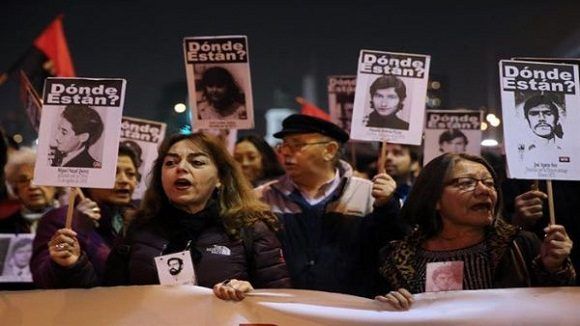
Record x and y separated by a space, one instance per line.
48 56
312 110
52 43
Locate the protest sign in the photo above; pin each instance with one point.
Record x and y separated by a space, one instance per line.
79 132
218 82
540 107
390 95
457 131
341 99
143 137
15 253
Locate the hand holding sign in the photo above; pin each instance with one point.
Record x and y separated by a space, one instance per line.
556 248
64 248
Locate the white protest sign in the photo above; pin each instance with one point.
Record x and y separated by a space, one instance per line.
218 82
389 103
541 109
143 137
15 253
457 131
79 132
341 99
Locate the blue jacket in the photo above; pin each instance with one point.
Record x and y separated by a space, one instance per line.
333 246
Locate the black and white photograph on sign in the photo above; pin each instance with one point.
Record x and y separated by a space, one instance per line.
341 99
16 251
389 104
219 82
221 96
77 137
143 137
452 131
387 96
79 132
540 104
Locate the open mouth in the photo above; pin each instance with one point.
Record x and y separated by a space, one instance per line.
182 184
122 192
482 207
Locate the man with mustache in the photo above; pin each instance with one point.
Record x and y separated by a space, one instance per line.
175 265
543 118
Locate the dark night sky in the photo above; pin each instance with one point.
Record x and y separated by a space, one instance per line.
142 42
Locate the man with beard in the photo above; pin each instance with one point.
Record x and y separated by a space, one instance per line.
543 117
222 97
175 265
401 161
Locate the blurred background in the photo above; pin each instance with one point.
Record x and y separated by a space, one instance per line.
293 47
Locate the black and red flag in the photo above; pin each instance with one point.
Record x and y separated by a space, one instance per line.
49 56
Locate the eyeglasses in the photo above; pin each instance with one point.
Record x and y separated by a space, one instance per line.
23 181
296 147
469 183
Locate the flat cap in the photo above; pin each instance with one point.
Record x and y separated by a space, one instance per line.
305 124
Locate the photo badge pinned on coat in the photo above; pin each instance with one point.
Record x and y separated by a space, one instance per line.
175 269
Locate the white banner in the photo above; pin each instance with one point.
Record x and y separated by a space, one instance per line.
190 305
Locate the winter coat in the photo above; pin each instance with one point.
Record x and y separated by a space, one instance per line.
255 257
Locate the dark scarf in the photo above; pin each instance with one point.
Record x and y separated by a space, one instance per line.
182 229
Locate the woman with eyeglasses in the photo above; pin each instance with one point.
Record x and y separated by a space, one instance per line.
454 205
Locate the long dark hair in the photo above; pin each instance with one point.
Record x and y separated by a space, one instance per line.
420 207
238 204
271 167
221 77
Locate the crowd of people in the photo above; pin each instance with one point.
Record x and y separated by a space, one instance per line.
294 216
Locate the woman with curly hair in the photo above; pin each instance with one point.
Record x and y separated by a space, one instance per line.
199 202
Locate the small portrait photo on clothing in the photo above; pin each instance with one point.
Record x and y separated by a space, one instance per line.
444 276
175 269
386 104
76 138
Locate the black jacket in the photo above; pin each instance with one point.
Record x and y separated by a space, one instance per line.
132 262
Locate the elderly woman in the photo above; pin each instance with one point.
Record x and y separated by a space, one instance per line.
67 258
200 208
455 204
34 200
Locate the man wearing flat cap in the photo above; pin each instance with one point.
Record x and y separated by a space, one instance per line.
333 224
